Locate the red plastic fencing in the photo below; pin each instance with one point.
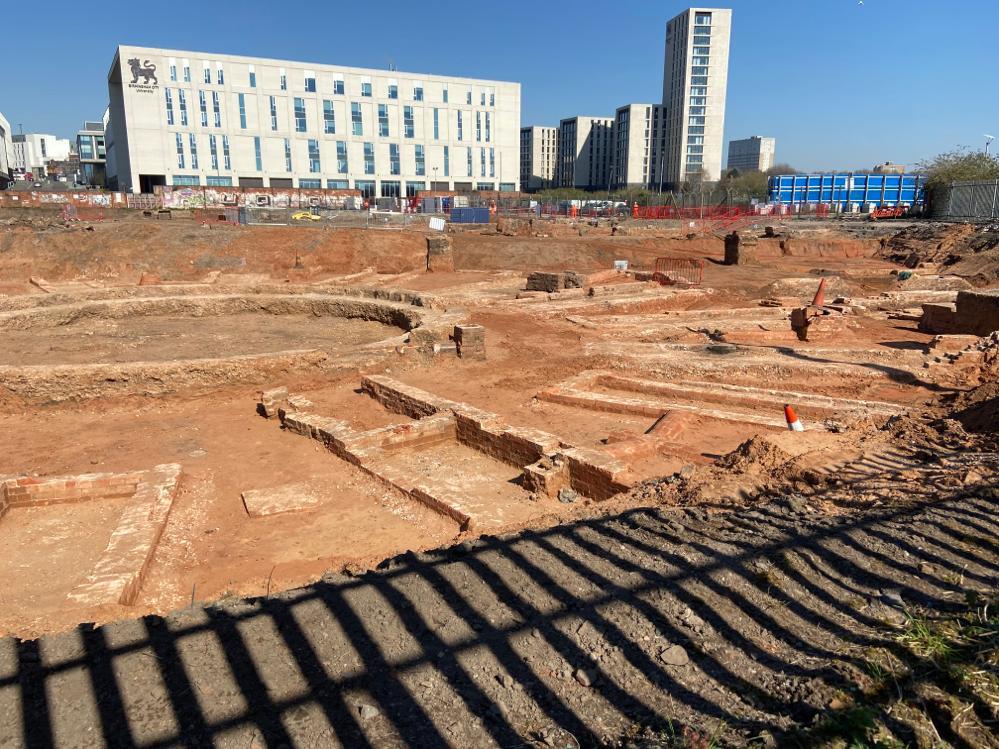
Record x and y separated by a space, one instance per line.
82 213
679 270
222 215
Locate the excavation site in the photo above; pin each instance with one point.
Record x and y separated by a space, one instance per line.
555 482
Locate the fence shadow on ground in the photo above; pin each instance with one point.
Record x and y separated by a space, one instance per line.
568 633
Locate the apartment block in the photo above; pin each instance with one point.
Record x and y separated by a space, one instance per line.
639 139
695 82
538 156
753 154
33 151
194 118
585 152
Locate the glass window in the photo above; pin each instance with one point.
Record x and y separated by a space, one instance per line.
702 19
394 166
699 80
208 75
413 188
283 81
383 120
180 151
365 89
445 96
698 91
492 100
695 149
695 121
337 184
697 110
220 77
217 181
699 129
485 186
169 105
273 102
329 118
256 153
468 98
173 73
695 139
213 150
341 157
186 180
310 84
253 79
488 136
315 165
421 166
701 61
482 99
86 148
355 118
217 108
287 155
698 101
460 130
469 160
338 86
390 188
447 161
227 162
700 40
300 122
492 162
702 50
187 74
365 186
310 184
369 158
478 128
482 162
242 111
393 91
698 71
203 106
437 124
418 93
407 122
192 142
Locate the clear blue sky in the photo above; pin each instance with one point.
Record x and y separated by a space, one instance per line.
839 84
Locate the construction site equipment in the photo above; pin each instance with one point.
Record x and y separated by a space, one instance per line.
671 271
879 213
793 422
847 190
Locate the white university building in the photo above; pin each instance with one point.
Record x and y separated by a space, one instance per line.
192 118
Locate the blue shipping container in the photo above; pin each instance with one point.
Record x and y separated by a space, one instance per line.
842 189
470 215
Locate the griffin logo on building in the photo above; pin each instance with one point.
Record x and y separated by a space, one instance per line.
147 71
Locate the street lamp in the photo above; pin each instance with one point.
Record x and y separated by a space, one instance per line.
988 140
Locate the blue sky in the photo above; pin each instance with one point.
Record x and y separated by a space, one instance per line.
839 84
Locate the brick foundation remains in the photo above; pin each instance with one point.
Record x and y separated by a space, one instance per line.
974 313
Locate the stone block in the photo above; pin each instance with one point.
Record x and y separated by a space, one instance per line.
440 254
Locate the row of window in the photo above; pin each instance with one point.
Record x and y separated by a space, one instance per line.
368 188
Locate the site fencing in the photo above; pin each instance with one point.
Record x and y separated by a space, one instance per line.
329 218
211 216
967 201
685 271
81 213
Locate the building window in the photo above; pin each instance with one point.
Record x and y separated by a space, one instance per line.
699 71
393 91
421 164
394 166
273 103
482 99
256 153
208 76
407 122
469 150
369 158
366 187
287 155
418 93
337 184
341 157
365 89
338 87
242 111
697 110
192 142
468 97
698 91
390 188
445 96
695 120
253 79
314 164
310 184
214 151
180 151
437 125
383 120
169 106
310 83
300 123
226 160
478 128
203 106
460 129
447 161
329 118
482 162
492 162
215 181
699 80
486 186
86 146
488 127
283 79
217 108
187 74
492 100
355 118
220 77
186 180
173 73
702 19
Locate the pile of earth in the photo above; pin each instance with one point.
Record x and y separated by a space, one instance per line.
965 250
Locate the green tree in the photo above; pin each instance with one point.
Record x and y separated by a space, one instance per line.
959 165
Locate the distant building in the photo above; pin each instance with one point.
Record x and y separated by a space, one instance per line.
33 152
638 155
755 154
695 81
90 147
194 118
585 152
889 168
538 155
6 153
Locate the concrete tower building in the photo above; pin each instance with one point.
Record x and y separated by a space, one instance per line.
755 154
538 154
695 80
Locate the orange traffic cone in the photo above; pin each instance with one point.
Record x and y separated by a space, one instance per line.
820 295
793 422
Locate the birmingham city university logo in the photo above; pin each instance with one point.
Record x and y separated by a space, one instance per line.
147 72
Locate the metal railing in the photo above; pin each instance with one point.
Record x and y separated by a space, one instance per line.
967 201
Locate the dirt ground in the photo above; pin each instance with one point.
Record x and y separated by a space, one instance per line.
737 593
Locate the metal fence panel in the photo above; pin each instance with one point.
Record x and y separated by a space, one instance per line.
968 201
